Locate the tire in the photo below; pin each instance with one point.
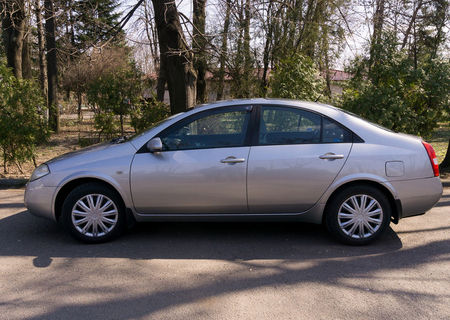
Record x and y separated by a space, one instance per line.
349 224
94 213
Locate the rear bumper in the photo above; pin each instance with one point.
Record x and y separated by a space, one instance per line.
417 196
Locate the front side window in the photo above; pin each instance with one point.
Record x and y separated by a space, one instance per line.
213 130
279 125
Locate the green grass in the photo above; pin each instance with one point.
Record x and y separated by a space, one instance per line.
439 140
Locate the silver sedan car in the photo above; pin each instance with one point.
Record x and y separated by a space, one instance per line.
254 159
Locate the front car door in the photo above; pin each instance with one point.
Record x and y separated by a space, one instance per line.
296 157
202 168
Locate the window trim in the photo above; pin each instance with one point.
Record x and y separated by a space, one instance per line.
247 140
252 134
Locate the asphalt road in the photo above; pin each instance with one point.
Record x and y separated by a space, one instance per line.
223 271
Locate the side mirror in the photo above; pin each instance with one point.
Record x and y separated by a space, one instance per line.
155 145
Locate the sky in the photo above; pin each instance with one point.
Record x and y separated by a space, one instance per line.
137 37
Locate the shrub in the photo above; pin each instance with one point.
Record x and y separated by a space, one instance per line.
22 123
147 113
114 94
106 124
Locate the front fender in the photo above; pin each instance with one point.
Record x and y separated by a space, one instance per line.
121 185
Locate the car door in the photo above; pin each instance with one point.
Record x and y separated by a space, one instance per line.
297 155
202 168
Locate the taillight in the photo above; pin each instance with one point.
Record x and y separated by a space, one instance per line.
433 158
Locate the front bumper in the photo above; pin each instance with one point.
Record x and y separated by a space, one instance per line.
39 199
418 196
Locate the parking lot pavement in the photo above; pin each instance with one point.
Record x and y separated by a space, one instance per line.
223 271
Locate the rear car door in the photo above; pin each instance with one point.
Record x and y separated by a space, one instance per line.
296 156
202 168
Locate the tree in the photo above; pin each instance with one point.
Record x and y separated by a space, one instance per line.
297 78
91 66
176 57
41 48
114 93
13 28
199 47
93 20
397 93
52 65
223 50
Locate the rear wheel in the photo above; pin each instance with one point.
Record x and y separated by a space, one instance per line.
358 215
93 213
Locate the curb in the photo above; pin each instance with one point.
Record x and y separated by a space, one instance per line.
12 183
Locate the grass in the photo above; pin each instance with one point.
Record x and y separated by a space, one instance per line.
439 140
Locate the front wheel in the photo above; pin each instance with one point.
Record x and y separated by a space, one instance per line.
358 215
93 213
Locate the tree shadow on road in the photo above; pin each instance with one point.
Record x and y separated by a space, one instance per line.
239 243
32 236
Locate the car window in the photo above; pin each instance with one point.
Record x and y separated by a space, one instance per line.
334 133
213 130
279 125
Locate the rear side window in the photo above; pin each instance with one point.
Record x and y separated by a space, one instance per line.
334 133
284 125
288 126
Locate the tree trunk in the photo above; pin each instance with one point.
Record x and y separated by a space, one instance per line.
248 65
267 49
41 48
224 51
411 23
199 46
378 22
446 162
52 69
162 80
181 75
13 25
26 57
79 103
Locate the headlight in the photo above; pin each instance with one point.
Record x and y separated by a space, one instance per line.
39 172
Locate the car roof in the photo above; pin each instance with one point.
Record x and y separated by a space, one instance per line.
315 106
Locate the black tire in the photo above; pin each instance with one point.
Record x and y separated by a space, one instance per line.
335 222
94 189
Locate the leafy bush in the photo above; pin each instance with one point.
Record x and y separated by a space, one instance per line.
106 124
397 92
148 112
114 94
297 78
22 123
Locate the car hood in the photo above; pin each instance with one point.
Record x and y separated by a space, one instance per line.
83 151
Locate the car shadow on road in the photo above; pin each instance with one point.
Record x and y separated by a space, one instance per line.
237 243
25 235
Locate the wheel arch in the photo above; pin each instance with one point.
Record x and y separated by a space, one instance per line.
395 203
70 185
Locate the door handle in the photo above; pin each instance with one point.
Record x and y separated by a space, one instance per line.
232 160
331 156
